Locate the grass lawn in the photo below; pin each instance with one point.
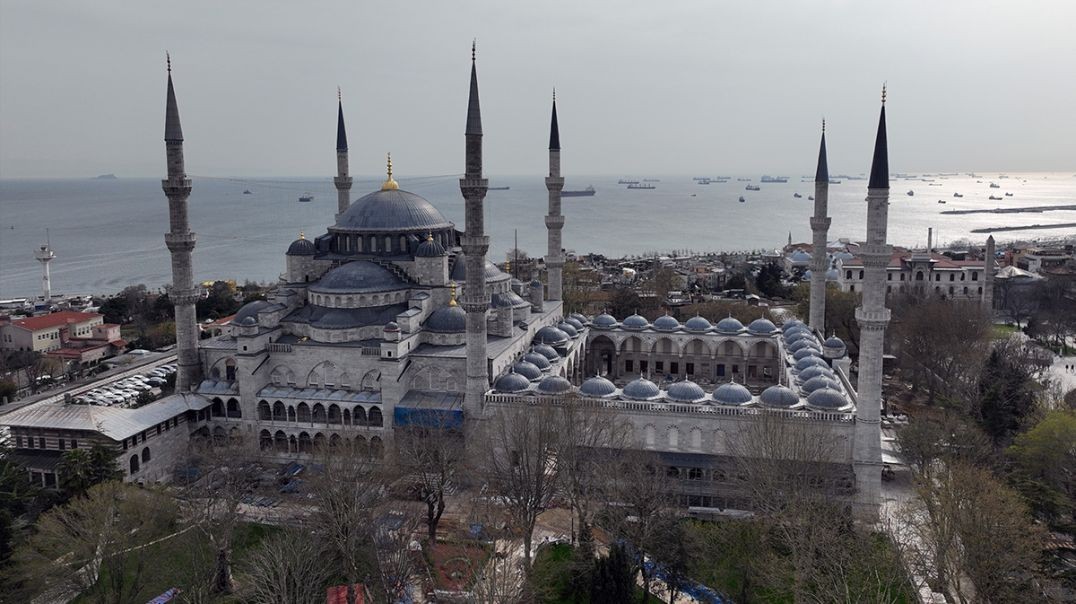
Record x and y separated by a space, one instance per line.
1002 332
551 574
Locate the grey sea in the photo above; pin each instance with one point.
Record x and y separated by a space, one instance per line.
108 234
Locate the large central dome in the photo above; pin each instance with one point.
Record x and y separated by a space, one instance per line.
391 210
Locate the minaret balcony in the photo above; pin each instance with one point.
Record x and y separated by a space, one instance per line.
554 183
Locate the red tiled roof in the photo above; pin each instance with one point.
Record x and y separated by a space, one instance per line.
56 319
899 256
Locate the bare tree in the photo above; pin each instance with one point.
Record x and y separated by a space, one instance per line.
431 456
501 579
517 459
291 567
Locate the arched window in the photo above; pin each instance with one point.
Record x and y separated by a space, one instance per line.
952 276
334 414
403 244
305 443
278 412
334 441
319 441
302 413
919 276
264 412
317 414
375 417
280 441
134 464
847 274
347 417
229 370
388 244
233 408
218 408
860 274
359 418
291 413
360 445
265 440
146 456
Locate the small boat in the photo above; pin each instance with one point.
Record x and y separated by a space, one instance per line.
306 197
624 181
810 198
693 195
911 193
743 180
766 178
995 198
742 200
834 181
702 181
934 184
957 195
797 195
498 188
995 185
651 180
1008 195
942 201
752 188
587 192
247 192
641 186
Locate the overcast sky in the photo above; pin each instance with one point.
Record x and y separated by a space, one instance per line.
657 87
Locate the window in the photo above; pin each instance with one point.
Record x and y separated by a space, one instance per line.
74 444
919 276
674 368
643 366
694 474
975 276
851 288
62 443
659 366
952 277
980 290
41 443
847 274
720 370
158 429
860 274
736 369
889 277
937 276
963 276
902 276
691 368
125 444
18 442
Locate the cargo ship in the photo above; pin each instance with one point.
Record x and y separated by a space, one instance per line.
587 192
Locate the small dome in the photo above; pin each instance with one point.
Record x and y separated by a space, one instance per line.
537 360
806 351
801 256
697 324
508 299
246 321
812 372
819 382
796 336
807 274
536 283
546 351
685 391
793 327
827 399
249 310
597 386
635 322
666 323
551 335
447 319
574 322
641 389
729 325
732 394
528 370
392 326
511 382
761 327
834 348
301 247
833 275
569 329
579 317
604 321
554 384
779 397
430 248
789 324
802 343
810 362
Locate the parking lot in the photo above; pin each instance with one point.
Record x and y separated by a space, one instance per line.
125 392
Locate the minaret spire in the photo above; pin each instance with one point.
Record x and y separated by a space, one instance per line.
180 242
873 317
475 244
554 222
820 222
342 181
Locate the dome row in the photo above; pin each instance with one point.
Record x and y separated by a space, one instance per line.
696 324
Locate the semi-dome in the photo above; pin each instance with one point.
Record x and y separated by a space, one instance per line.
641 389
778 397
732 394
635 322
801 343
827 399
762 327
729 325
249 310
551 335
430 248
806 351
685 391
459 271
447 319
508 299
697 324
574 322
554 384
546 351
812 372
569 329
819 382
810 362
392 210
604 321
301 247
528 370
358 277
666 323
537 360
511 382
597 386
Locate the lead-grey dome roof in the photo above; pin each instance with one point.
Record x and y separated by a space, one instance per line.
249 310
666 323
635 322
430 248
816 371
597 386
551 335
697 324
459 271
729 325
447 319
511 382
818 382
528 370
301 247
574 322
779 397
641 389
762 326
537 360
569 329
802 343
827 399
546 351
394 210
579 317
732 394
806 351
554 384
604 321
685 391
810 362
358 277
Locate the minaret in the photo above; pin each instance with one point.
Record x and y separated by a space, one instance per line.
44 255
180 242
342 180
475 243
988 276
554 222
820 229
872 316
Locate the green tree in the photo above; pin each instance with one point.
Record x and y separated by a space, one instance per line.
613 580
624 302
769 281
736 281
1045 464
8 390
1006 392
840 314
80 469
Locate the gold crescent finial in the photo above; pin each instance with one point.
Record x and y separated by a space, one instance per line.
389 184
429 236
302 235
452 293
168 60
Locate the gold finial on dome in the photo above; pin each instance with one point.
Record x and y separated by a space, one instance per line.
302 235
429 236
389 184
452 293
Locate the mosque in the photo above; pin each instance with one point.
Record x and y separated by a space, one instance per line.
395 316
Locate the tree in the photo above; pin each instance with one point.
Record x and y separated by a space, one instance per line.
291 567
518 463
736 281
576 289
8 390
624 302
99 542
1045 464
1007 388
80 469
614 581
431 456
770 281
948 437
840 314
